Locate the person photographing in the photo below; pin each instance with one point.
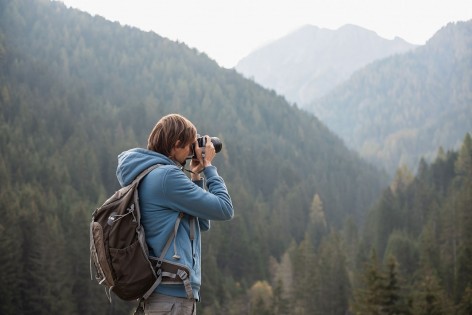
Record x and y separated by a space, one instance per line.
167 195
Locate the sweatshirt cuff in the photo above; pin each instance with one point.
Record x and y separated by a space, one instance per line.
210 171
199 182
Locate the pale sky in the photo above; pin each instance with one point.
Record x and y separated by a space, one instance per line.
228 30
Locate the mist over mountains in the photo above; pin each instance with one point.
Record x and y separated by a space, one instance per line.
400 104
308 63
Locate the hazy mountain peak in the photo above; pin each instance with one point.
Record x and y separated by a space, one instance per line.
452 38
354 28
310 61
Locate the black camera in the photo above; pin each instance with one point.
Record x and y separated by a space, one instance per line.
202 142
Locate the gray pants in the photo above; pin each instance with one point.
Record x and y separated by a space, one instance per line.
169 305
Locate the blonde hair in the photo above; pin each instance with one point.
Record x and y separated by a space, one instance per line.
168 130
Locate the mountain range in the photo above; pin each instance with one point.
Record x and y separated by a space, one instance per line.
395 108
309 62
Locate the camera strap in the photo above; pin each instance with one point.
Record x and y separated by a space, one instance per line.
199 172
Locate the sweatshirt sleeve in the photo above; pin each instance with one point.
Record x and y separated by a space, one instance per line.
184 195
204 223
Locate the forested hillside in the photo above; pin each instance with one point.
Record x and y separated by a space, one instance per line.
76 90
309 62
414 256
402 108
420 233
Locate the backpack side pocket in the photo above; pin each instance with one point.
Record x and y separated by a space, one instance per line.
97 248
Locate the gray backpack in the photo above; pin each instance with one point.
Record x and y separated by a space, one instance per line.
119 252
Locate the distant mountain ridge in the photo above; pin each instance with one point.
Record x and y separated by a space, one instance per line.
309 62
402 108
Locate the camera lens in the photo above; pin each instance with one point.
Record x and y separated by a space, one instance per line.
217 144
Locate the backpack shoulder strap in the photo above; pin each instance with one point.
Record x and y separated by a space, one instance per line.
145 172
136 182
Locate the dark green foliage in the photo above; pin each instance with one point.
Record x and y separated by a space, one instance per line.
381 291
395 301
435 257
280 304
368 296
333 287
405 250
465 306
429 298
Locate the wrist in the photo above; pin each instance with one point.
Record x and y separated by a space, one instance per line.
195 177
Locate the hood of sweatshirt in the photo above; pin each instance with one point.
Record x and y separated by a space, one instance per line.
132 162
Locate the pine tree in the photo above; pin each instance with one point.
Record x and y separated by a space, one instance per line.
282 274
55 278
261 295
463 204
403 178
465 306
317 227
333 286
394 300
10 249
405 250
305 271
464 161
387 218
368 298
350 238
429 298
280 304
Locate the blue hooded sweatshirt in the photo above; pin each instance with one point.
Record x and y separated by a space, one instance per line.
163 194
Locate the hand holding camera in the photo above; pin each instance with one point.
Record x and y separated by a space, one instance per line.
204 150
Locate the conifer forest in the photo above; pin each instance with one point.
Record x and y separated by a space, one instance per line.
317 229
